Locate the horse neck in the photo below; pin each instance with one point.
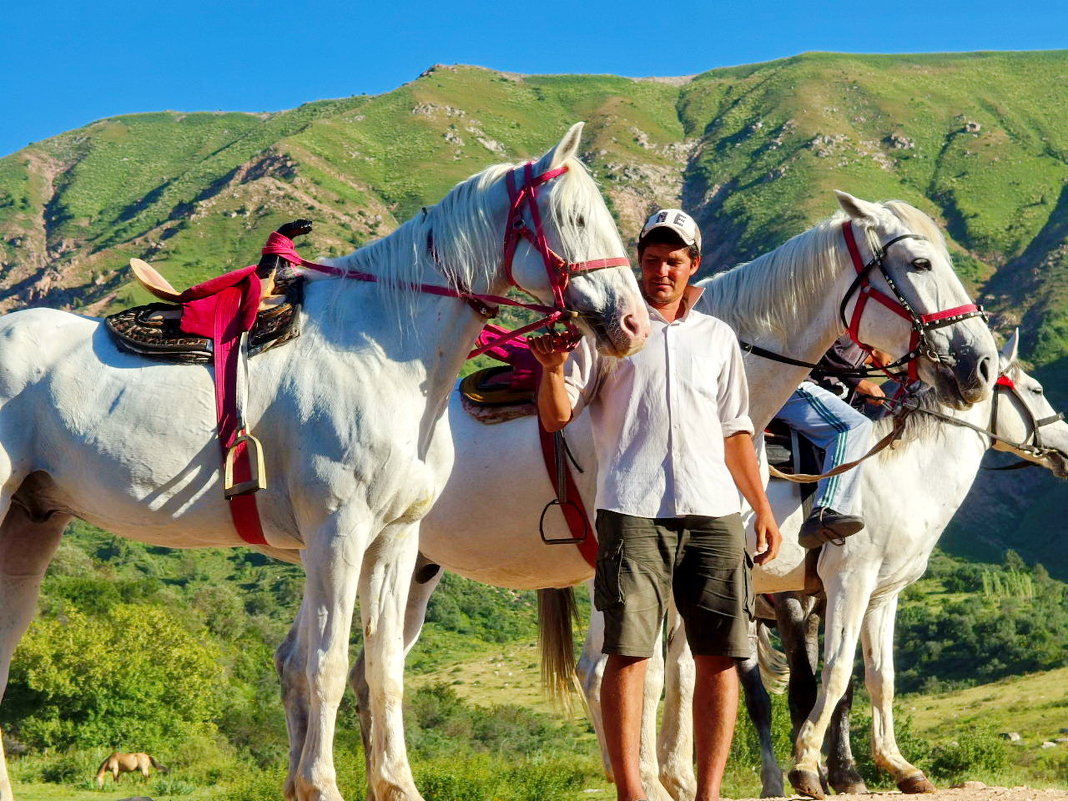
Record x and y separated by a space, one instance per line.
812 322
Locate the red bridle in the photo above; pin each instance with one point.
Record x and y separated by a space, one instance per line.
558 270
897 303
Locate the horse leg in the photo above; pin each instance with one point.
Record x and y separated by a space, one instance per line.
842 772
758 704
384 586
848 597
675 748
878 634
28 540
332 564
798 630
425 580
290 662
590 670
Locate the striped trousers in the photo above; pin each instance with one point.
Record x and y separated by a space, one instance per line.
841 431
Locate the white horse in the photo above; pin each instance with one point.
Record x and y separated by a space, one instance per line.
352 415
787 301
911 492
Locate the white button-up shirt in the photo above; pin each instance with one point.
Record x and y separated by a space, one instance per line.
660 416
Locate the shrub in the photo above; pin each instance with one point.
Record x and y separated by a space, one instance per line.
133 680
976 751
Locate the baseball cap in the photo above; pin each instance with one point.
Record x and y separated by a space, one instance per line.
678 221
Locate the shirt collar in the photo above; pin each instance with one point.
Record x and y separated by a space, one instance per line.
692 295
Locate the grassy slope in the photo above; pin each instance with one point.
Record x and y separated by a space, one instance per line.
753 150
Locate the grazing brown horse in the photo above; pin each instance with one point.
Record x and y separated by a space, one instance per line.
120 763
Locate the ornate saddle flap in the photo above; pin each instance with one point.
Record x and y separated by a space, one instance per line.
154 331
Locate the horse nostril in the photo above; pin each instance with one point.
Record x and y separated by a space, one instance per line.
631 325
985 369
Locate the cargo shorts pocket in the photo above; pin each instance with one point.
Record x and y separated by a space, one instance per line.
607 584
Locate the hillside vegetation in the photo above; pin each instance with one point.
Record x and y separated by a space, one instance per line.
976 140
143 648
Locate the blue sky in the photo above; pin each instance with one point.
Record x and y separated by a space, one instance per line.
65 64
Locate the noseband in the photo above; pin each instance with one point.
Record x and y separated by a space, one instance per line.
1033 444
558 270
919 345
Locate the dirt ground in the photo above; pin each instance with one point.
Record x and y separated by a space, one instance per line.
971 791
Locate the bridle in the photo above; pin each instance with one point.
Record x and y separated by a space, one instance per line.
919 345
558 269
1032 445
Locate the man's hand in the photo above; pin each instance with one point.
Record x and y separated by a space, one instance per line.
768 538
870 391
551 350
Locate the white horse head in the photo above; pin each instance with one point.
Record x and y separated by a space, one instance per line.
1024 418
796 299
957 354
542 227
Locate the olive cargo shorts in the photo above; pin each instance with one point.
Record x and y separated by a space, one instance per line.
702 560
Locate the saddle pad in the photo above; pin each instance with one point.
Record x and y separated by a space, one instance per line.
153 330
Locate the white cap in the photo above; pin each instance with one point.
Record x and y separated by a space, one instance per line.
678 221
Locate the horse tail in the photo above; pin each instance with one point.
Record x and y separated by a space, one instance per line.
100 774
557 611
157 765
774 668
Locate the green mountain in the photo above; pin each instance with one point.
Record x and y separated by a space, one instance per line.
976 140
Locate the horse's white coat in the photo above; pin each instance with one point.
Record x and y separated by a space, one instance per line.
786 301
911 492
352 416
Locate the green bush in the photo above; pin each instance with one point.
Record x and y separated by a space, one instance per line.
134 679
977 751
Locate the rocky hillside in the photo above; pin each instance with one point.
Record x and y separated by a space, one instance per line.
976 140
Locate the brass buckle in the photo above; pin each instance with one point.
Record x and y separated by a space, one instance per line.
258 480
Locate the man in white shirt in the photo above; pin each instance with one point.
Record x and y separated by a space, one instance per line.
674 447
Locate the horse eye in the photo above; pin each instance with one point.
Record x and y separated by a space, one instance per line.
580 221
922 264
1036 390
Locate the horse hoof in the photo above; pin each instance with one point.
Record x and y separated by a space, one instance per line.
915 784
853 788
806 782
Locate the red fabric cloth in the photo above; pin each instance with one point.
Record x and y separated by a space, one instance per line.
221 309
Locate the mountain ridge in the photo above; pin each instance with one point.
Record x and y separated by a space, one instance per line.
753 151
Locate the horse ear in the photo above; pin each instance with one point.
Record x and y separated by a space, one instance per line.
568 147
860 210
1011 348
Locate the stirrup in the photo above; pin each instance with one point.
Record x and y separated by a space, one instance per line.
258 480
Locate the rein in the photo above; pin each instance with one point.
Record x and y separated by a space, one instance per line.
897 303
558 269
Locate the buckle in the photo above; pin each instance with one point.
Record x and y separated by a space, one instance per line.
258 479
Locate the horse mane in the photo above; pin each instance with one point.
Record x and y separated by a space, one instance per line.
466 231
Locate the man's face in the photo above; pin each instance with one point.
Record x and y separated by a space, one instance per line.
666 272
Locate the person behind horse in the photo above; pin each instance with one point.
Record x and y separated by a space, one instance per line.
674 445
820 410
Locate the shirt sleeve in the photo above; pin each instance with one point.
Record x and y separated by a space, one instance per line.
580 375
733 400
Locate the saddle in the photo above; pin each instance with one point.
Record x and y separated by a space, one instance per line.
791 452
224 321
154 330
499 394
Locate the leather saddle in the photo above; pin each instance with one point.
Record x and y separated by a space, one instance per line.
498 394
154 330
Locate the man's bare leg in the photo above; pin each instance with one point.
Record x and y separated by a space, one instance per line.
622 690
715 710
